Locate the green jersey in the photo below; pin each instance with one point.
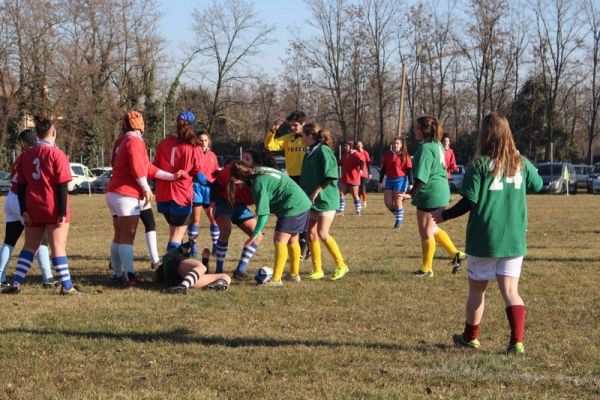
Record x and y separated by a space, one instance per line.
498 223
319 164
429 166
276 193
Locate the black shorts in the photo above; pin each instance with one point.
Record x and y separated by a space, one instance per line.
177 220
363 184
203 205
429 209
294 224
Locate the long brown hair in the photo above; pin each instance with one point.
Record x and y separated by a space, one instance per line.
496 141
186 134
431 127
320 135
403 150
239 171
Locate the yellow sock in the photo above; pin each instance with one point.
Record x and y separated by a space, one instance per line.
428 248
334 249
315 255
294 251
442 238
281 253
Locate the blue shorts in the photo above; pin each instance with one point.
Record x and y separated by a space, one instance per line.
238 214
201 195
294 224
174 213
399 184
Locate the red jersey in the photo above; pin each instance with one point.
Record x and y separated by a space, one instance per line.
172 156
450 162
208 163
42 168
115 150
394 167
367 159
243 195
351 167
130 163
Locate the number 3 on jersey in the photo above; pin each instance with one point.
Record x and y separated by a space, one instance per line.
36 174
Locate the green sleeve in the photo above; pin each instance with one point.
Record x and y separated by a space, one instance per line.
472 183
261 195
422 164
330 165
261 221
533 181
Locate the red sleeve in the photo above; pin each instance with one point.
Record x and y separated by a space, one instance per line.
152 170
367 157
408 161
62 168
18 171
196 163
136 150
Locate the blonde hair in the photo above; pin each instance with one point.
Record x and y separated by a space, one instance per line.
496 141
430 127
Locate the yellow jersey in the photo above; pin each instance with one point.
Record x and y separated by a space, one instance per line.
293 147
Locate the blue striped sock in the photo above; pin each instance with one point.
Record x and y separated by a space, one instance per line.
247 254
61 264
357 206
220 253
23 265
214 234
342 204
173 245
193 232
399 214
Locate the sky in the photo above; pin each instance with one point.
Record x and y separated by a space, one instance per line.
176 25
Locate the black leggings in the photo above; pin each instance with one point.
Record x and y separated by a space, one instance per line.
147 217
13 232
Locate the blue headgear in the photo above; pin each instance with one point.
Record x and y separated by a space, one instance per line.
187 116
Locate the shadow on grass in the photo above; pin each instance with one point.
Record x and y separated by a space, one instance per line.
185 336
88 257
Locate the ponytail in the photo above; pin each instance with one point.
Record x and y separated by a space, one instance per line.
431 127
320 135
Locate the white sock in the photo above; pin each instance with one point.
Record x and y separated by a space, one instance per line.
152 246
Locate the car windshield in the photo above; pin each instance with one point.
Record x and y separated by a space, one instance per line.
596 170
77 170
107 174
549 169
581 170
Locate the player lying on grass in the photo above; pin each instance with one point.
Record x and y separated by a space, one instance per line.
181 272
494 193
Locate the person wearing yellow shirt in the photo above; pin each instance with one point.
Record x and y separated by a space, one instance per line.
291 143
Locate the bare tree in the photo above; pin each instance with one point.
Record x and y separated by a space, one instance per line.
228 34
592 13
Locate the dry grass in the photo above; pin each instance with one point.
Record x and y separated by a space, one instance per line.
378 334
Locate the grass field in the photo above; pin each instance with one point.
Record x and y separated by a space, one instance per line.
380 333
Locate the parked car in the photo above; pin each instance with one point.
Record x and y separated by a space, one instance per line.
373 182
5 182
98 185
596 185
582 172
98 171
280 163
593 175
554 176
457 178
80 174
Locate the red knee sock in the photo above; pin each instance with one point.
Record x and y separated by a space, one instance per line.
471 332
516 320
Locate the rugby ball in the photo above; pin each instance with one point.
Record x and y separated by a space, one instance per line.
263 275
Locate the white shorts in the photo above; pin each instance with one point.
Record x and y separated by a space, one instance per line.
487 268
314 215
123 206
12 210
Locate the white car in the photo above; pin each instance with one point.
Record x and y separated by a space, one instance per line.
5 182
80 174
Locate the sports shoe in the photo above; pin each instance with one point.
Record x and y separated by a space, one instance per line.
179 289
271 284
218 285
50 283
456 262
240 275
4 284
11 289
422 274
515 349
397 225
315 276
340 272
154 265
70 292
293 278
131 280
460 341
